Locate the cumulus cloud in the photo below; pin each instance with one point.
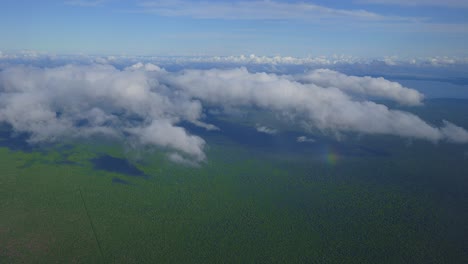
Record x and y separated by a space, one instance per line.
375 87
164 133
325 108
146 103
77 101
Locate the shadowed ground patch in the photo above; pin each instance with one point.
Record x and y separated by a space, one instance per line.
117 165
13 141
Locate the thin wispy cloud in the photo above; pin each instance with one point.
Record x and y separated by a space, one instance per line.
356 18
259 10
85 3
440 3
370 28
303 139
266 130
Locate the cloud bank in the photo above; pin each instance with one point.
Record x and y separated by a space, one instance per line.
31 57
377 87
145 104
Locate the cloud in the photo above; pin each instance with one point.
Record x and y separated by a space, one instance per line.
305 139
266 130
145 104
164 133
327 61
273 60
81 101
324 61
368 86
177 158
31 57
454 133
325 108
257 10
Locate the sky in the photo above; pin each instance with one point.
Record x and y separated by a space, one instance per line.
362 28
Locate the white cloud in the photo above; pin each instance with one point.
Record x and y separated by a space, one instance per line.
323 61
146 103
368 86
177 158
305 139
266 130
164 133
454 133
320 107
273 60
435 61
204 125
79 101
29 56
146 67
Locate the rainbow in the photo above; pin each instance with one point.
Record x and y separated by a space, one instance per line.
331 156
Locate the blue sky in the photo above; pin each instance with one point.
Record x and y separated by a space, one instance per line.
364 28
